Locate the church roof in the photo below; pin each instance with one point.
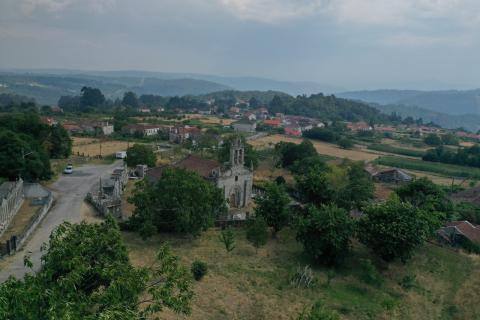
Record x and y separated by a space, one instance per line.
199 165
203 167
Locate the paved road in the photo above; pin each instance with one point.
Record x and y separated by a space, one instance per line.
69 192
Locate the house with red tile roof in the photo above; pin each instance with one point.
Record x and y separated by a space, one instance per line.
275 123
455 230
293 131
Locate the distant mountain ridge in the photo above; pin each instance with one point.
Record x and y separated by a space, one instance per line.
454 102
470 122
234 82
48 88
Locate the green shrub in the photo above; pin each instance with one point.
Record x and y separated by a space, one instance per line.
199 269
369 274
318 312
408 282
303 278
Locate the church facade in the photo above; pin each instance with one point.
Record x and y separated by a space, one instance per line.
236 180
233 178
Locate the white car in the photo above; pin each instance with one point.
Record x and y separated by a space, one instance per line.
68 169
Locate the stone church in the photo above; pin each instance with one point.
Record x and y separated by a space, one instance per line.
233 178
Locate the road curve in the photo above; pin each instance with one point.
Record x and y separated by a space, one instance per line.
69 192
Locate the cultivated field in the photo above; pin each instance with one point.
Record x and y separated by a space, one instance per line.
322 148
210 119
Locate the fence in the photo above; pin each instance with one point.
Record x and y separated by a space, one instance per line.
16 242
10 202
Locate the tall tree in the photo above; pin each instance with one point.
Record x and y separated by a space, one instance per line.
273 207
257 232
181 201
86 274
140 154
130 99
325 233
393 229
91 97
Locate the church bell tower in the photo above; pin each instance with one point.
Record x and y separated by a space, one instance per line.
237 153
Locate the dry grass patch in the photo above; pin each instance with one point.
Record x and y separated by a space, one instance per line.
78 141
246 285
105 147
266 171
20 220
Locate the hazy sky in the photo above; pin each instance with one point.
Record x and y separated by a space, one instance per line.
348 43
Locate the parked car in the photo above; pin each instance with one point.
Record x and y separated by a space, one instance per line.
121 154
68 169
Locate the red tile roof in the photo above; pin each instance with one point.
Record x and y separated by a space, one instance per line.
202 167
293 132
272 122
467 229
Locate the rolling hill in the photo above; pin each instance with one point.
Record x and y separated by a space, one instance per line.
451 102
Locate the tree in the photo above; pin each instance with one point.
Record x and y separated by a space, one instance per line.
393 229
426 195
273 207
433 140
141 154
22 156
318 312
345 143
257 232
227 238
314 186
359 188
60 142
289 152
91 97
181 201
130 100
86 274
325 233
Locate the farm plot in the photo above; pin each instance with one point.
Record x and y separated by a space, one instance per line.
322 148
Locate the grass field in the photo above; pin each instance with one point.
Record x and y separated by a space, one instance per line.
449 170
244 284
321 147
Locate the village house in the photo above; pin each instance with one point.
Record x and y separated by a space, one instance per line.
233 178
146 130
455 231
390 175
359 126
244 125
104 128
293 131
93 127
250 116
274 123
180 134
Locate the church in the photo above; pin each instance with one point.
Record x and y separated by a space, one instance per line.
233 178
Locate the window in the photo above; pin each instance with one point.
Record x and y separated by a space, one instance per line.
236 178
